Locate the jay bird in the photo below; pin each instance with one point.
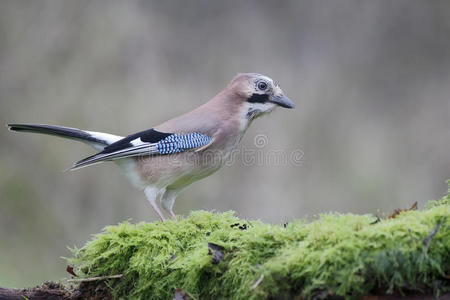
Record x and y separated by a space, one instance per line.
165 159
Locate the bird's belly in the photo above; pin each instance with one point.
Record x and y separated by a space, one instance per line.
186 179
176 170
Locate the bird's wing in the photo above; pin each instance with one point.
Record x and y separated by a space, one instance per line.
146 143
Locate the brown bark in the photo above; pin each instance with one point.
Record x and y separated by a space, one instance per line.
98 291
57 291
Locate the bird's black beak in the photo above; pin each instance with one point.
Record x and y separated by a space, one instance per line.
282 101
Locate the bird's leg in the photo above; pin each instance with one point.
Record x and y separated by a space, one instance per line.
172 214
151 193
168 199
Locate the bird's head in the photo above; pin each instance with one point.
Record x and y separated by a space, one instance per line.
258 94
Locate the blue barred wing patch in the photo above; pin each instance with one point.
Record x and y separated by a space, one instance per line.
176 143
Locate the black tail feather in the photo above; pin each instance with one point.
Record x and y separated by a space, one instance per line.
61 131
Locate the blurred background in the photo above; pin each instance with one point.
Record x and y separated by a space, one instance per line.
371 81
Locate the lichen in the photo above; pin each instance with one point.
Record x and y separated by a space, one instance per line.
337 254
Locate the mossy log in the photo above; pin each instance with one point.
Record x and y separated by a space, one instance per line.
218 256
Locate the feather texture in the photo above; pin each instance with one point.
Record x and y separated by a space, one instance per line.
173 143
178 143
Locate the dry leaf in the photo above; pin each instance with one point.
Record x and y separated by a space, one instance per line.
399 210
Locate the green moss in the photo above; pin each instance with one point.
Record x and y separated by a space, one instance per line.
337 254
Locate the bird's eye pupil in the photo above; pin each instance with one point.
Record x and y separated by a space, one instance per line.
262 85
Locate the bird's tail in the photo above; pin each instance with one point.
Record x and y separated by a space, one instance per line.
98 140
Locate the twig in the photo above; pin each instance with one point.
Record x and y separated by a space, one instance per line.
428 239
95 278
258 282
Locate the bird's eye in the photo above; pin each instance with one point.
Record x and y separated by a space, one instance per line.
262 85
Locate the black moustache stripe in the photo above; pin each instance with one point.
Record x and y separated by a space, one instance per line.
258 98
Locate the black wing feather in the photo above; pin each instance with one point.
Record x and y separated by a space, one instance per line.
149 136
